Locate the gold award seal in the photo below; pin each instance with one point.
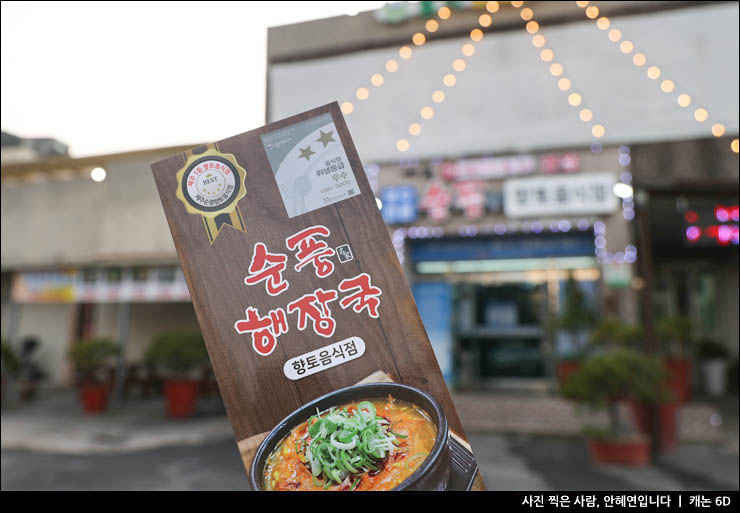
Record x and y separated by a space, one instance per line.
210 184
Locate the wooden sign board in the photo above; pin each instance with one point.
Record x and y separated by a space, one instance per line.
294 280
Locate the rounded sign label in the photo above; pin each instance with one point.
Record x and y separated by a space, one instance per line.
210 184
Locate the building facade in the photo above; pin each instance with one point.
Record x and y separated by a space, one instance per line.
495 184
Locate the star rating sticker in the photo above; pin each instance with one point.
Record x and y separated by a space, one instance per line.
325 138
306 152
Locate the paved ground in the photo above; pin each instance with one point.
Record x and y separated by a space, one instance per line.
538 463
521 443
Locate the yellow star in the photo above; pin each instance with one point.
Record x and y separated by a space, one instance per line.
325 138
306 152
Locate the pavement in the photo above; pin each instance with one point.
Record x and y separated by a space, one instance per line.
521 442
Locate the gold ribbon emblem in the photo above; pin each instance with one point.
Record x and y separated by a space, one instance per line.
210 184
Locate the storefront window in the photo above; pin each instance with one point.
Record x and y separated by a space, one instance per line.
114 275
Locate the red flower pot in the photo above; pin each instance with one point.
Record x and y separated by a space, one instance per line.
631 452
666 417
181 396
679 378
565 369
94 398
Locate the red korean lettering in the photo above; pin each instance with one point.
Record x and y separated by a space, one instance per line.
315 307
365 296
310 250
268 267
264 330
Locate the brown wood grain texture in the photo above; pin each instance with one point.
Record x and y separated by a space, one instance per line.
255 392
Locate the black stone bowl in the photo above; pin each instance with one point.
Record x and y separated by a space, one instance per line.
432 475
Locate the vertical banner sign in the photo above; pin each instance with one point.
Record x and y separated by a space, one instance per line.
294 280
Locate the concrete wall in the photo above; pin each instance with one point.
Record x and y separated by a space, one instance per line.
506 99
147 320
82 221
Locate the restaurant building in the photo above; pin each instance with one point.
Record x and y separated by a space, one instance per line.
500 140
495 181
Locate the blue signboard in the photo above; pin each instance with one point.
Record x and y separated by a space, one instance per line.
399 204
502 247
434 301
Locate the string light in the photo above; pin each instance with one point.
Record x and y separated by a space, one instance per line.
653 72
564 84
626 46
667 86
718 129
458 64
526 14
735 145
404 52
532 27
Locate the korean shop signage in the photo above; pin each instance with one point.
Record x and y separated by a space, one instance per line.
297 289
579 194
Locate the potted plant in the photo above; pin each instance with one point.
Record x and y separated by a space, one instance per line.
611 334
10 365
179 356
602 381
90 358
675 335
713 358
576 320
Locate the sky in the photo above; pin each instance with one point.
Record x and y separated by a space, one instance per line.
114 77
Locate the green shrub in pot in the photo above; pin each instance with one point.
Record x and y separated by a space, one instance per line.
90 356
177 354
675 334
612 334
607 378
